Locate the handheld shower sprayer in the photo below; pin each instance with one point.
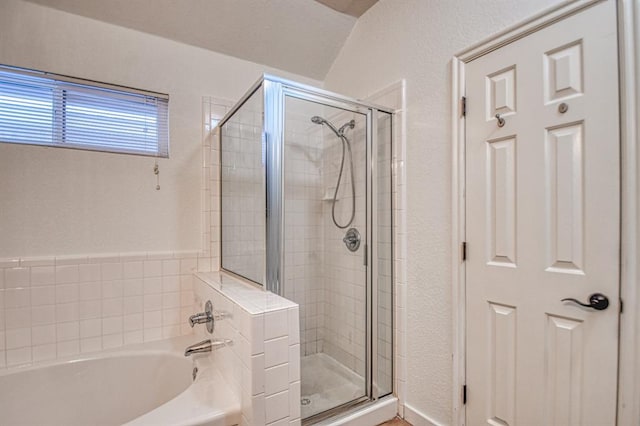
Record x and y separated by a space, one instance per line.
345 144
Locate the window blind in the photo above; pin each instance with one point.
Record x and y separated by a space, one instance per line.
47 109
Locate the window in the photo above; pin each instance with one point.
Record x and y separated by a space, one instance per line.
39 108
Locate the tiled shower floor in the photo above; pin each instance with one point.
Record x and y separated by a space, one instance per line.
326 384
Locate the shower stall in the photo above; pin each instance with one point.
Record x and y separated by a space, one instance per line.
306 212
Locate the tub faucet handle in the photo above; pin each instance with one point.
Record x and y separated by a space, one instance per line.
205 317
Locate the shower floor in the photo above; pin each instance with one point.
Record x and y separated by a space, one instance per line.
326 384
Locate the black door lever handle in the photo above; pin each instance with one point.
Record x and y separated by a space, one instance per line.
597 301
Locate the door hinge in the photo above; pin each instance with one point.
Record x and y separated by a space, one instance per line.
464 251
621 306
464 394
463 106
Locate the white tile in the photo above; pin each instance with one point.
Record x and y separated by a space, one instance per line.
257 374
91 344
258 410
276 406
66 312
294 400
132 322
294 363
17 298
296 422
90 290
188 266
152 319
67 274
152 302
44 352
133 270
18 356
18 338
170 317
111 289
112 307
171 283
2 341
133 287
276 379
112 325
170 331
152 268
171 267
45 295
112 341
281 422
68 348
276 352
43 334
152 285
88 309
67 293
257 334
133 304
43 275
152 334
89 272
90 328
133 337
276 324
294 326
111 271
17 277
171 300
41 315
17 318
67 331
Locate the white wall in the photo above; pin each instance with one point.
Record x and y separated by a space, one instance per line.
415 39
55 201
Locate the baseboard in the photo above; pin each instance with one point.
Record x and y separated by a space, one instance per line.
416 418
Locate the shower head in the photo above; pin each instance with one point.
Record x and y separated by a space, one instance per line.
339 132
318 120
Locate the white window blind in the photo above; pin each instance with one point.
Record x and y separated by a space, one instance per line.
47 109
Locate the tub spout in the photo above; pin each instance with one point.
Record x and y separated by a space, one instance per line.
206 346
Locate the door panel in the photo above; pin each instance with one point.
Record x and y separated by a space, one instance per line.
542 197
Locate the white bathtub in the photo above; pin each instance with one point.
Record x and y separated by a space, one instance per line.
148 384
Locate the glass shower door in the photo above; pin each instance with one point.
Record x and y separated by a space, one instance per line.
325 207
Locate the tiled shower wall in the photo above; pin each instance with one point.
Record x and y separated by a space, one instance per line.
345 271
243 194
304 246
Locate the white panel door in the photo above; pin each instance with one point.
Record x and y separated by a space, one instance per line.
542 224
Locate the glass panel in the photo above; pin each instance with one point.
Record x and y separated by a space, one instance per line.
243 194
324 196
383 237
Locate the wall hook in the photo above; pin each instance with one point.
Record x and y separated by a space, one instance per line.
500 120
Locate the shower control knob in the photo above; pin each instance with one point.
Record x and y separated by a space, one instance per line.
352 239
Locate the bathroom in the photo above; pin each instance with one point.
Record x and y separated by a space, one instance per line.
64 211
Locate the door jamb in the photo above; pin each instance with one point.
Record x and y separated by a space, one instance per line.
629 325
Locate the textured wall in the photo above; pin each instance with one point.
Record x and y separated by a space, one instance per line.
415 39
57 201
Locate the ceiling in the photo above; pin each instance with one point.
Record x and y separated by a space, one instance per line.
299 36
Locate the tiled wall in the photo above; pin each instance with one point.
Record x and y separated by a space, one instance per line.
263 364
345 272
60 306
243 191
304 231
